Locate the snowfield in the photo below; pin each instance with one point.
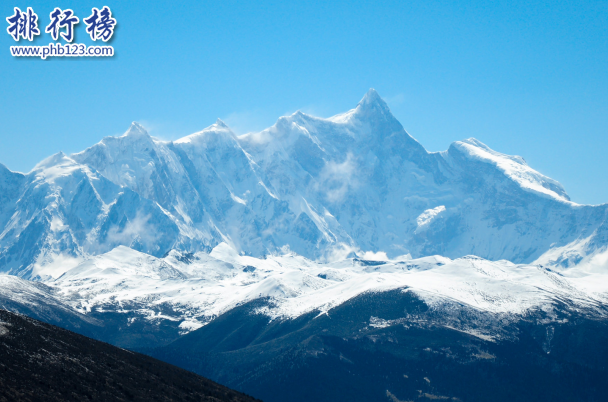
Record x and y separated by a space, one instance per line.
202 286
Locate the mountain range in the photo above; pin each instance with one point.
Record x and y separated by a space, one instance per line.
322 188
214 249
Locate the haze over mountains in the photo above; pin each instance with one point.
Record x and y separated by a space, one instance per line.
249 244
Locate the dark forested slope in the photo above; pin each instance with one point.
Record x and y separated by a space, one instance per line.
41 362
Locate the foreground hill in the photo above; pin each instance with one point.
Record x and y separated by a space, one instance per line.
42 362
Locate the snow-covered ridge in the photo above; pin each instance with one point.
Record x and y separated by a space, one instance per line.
202 286
514 167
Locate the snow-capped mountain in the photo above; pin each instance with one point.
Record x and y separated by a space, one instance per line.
319 187
258 255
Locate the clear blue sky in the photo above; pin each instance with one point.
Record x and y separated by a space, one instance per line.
525 77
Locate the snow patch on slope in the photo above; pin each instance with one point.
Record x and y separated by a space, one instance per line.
428 216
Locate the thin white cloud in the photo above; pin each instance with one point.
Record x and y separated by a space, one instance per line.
395 100
336 179
135 229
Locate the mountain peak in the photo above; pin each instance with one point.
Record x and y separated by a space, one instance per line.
220 123
371 95
370 106
136 130
218 128
57 160
372 100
